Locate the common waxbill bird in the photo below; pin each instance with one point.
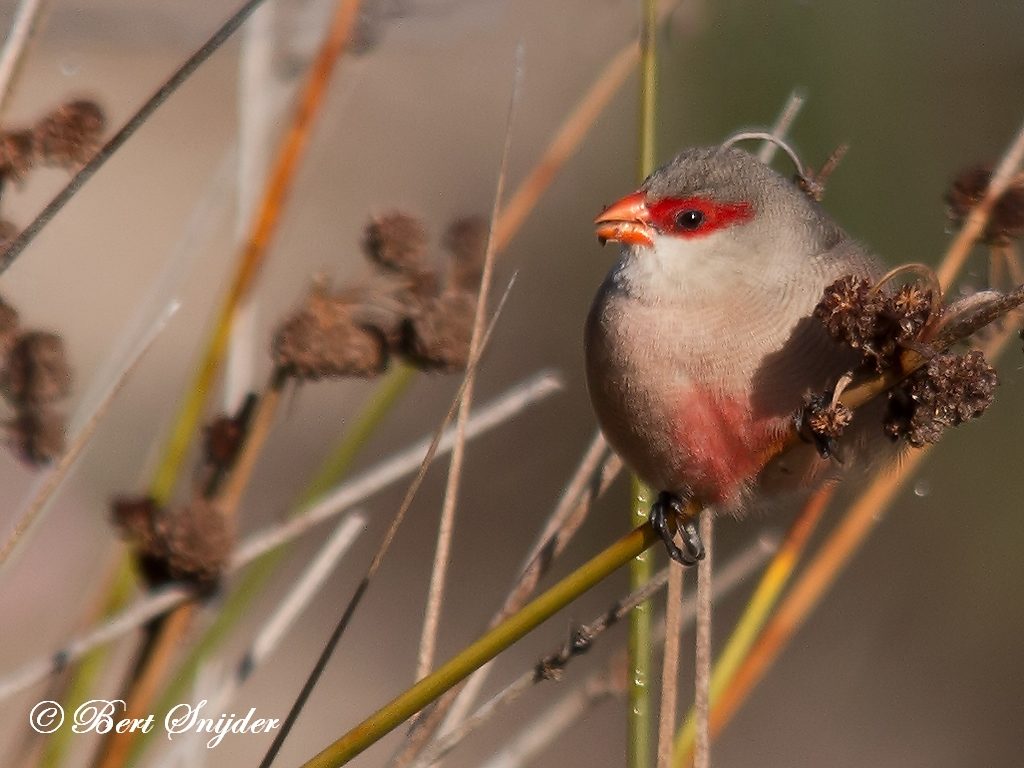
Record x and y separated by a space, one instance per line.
700 345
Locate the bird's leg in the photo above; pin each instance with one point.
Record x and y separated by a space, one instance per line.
666 516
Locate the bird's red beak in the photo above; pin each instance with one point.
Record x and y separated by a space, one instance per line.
627 221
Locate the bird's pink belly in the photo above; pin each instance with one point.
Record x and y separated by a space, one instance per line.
718 444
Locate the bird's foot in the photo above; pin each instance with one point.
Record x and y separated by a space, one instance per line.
667 519
823 418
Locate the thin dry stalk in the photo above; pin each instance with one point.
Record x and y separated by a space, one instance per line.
446 527
670 664
702 663
17 42
790 110
146 683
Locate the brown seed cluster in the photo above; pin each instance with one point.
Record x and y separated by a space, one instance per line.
949 390
1007 218
34 377
876 322
418 307
190 543
65 138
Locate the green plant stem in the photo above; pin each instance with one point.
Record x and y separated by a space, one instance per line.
333 469
393 714
639 717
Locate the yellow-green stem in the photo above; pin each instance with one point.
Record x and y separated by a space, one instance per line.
390 716
639 717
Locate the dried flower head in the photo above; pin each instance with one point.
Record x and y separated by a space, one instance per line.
438 338
397 241
37 370
8 231
875 321
948 391
968 189
38 435
17 154
190 543
466 242
70 135
9 329
326 337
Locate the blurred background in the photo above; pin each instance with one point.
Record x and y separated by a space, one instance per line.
912 660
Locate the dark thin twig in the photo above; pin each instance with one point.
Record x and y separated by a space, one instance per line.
116 141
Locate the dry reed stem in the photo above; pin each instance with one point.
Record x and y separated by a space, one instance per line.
670 664
252 256
446 526
702 655
790 110
22 28
156 660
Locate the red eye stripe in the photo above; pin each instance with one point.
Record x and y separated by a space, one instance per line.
665 215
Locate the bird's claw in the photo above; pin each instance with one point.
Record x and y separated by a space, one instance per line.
666 515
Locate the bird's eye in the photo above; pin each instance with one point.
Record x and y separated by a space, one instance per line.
690 219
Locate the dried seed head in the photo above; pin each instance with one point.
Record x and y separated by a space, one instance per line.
8 330
8 231
16 154
397 241
37 370
191 543
466 241
948 391
438 337
223 438
843 308
38 435
325 338
69 135
829 419
875 321
968 189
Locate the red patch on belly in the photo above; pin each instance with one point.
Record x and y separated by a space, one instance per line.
721 444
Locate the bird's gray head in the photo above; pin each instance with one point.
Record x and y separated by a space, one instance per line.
713 214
